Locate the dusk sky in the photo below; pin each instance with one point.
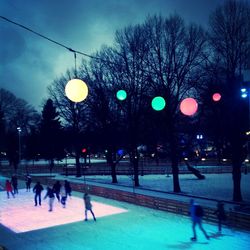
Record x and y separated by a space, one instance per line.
28 63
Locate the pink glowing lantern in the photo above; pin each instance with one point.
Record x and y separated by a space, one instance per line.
189 106
216 97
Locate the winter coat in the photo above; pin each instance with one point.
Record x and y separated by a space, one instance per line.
87 202
8 186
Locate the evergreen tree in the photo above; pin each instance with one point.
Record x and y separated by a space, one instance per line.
51 134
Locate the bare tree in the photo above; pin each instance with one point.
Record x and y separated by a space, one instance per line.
128 72
175 60
73 115
230 39
16 113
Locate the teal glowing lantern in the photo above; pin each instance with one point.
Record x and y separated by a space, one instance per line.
158 103
121 95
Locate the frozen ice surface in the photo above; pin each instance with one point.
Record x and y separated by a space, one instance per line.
136 228
20 215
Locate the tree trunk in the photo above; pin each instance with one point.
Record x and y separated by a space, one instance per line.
134 158
51 165
175 172
136 171
236 182
78 165
237 159
174 160
111 162
113 172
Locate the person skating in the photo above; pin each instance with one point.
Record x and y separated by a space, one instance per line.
56 189
50 194
14 184
88 206
221 215
67 188
8 188
63 194
196 214
28 182
38 188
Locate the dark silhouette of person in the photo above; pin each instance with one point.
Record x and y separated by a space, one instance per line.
28 182
221 215
88 206
38 188
14 184
63 194
68 188
9 189
56 189
50 194
196 219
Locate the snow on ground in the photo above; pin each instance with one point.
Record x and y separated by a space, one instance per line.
138 228
215 186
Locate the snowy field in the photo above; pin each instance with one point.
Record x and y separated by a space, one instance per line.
215 186
132 227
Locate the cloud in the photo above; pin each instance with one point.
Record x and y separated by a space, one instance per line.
12 45
29 63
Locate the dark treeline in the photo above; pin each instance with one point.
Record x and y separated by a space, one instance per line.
163 56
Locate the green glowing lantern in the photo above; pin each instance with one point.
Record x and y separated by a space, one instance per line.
121 95
158 103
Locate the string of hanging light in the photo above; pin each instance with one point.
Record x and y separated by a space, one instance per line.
49 39
77 90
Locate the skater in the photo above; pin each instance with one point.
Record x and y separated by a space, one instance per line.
8 189
67 188
196 213
63 194
56 189
14 184
28 182
221 215
38 188
51 196
88 206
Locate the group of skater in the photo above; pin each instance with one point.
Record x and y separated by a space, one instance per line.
11 186
196 213
61 192
58 191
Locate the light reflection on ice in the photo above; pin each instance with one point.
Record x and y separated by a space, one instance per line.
20 214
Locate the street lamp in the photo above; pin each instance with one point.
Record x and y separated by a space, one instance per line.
19 143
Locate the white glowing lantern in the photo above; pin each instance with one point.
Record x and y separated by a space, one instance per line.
76 90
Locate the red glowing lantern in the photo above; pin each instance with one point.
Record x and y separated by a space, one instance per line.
216 97
189 106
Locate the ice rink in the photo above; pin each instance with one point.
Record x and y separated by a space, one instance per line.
119 225
20 215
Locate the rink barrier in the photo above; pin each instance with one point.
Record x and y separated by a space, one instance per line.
235 219
121 169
